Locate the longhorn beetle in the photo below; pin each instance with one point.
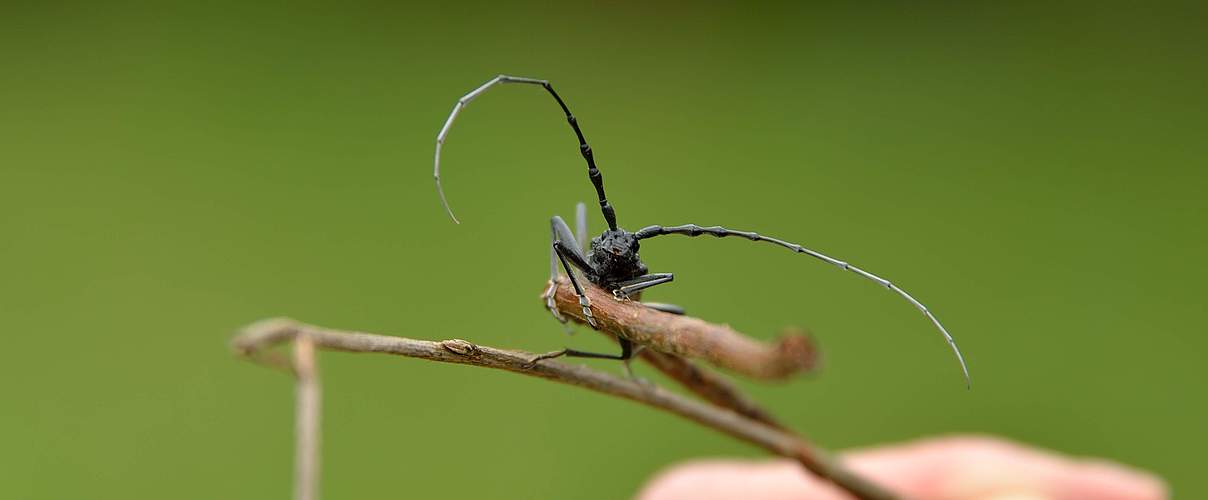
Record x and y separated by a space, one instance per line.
612 261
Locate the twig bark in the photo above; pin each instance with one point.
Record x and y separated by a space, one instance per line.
254 341
689 337
306 447
709 386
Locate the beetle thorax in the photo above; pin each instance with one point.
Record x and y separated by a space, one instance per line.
614 255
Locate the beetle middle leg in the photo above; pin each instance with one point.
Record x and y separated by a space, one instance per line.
625 288
627 354
635 285
667 308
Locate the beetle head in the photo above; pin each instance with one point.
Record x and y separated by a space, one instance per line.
614 255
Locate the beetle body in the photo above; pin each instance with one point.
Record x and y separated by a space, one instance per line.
612 260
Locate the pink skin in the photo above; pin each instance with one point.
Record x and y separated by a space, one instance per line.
951 468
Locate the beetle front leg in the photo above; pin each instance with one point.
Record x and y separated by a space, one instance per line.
562 251
560 232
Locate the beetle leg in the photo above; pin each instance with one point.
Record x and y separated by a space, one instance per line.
627 354
560 233
563 252
667 308
625 288
581 226
548 294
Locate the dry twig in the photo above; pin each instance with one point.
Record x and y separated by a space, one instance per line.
254 341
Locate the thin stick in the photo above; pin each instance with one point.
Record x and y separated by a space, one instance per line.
306 453
262 335
689 337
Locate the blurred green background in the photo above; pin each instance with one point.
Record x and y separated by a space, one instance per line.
168 173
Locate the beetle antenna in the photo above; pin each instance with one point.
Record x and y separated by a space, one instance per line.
721 232
593 173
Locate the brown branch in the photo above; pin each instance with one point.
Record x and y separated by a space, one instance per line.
254 341
690 337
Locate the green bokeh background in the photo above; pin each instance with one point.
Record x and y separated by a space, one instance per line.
1035 173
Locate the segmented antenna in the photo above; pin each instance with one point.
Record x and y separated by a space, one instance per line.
593 173
721 232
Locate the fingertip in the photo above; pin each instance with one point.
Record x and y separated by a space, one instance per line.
1110 481
958 466
978 466
729 479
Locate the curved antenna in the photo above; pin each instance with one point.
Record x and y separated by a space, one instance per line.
593 173
721 232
